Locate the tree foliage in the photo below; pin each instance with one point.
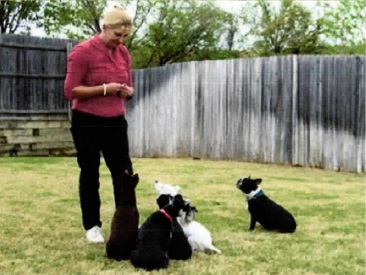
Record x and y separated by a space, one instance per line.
168 31
77 19
346 23
15 14
180 29
143 10
290 30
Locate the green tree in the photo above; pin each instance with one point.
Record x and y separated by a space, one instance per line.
77 19
345 24
229 30
15 14
143 10
180 30
80 19
290 30
165 31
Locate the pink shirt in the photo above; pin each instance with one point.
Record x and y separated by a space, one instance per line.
91 63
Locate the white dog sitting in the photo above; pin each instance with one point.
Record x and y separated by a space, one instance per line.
198 236
166 189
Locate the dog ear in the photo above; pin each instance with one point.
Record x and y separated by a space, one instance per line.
258 181
178 200
163 200
178 196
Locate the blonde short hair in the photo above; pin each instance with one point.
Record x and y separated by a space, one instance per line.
117 17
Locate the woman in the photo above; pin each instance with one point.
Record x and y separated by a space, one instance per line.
98 82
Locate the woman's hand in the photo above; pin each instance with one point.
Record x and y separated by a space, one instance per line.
125 91
113 88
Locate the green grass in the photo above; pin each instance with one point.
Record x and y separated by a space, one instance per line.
41 231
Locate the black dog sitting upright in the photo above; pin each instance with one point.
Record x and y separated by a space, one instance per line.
179 247
152 247
124 226
263 210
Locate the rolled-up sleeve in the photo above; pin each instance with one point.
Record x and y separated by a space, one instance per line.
130 83
128 59
76 71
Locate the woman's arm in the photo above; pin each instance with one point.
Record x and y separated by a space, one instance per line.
105 89
76 71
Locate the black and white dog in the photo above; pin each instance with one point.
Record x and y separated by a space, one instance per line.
262 209
154 236
198 236
179 247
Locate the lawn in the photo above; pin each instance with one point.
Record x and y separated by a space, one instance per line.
41 231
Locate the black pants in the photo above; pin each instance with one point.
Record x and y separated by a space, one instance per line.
93 135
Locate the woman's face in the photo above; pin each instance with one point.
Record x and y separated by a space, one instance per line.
115 36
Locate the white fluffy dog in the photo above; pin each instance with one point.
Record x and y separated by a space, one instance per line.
198 236
166 189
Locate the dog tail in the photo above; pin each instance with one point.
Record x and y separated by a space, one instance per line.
214 249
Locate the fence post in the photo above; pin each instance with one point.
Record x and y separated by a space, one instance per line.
295 121
68 50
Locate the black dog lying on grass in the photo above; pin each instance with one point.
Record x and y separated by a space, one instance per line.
154 236
179 247
262 209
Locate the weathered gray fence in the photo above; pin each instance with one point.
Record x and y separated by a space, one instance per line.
33 110
301 110
32 73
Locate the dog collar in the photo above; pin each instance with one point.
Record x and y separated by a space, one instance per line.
166 215
259 194
254 194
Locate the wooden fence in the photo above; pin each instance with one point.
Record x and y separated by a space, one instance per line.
33 111
300 110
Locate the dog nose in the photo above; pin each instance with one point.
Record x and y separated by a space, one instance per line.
239 182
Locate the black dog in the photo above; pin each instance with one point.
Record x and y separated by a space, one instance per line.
179 247
152 247
263 210
124 226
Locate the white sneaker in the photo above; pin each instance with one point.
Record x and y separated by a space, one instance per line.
94 235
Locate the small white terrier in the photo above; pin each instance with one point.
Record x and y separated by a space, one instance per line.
166 189
198 236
